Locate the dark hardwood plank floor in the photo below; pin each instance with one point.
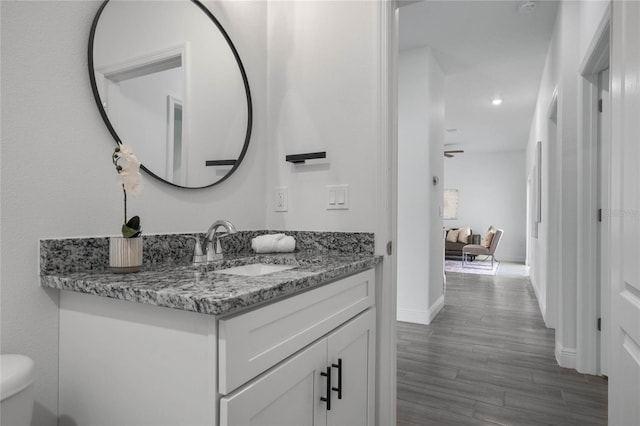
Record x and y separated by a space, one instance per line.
488 359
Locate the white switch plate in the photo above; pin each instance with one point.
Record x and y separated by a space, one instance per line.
282 199
337 197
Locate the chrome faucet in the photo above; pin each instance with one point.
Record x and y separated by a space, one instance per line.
213 250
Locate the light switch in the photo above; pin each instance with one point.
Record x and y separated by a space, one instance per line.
332 197
337 197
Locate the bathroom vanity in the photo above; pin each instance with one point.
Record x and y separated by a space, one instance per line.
193 345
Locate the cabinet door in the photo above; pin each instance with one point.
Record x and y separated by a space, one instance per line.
287 395
353 347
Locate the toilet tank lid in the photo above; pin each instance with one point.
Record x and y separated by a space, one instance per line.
16 373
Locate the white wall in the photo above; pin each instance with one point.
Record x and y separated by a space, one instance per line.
57 179
553 255
491 191
545 131
554 277
322 97
420 146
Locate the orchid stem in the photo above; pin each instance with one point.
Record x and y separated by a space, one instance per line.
125 204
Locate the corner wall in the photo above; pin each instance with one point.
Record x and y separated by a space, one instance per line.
420 146
491 191
553 256
542 249
57 179
553 260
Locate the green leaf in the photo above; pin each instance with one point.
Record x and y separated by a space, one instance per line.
134 223
132 229
130 232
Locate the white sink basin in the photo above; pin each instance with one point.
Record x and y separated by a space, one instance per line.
254 269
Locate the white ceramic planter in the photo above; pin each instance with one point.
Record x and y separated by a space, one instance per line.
125 254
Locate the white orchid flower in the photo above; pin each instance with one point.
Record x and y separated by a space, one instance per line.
126 152
130 180
132 165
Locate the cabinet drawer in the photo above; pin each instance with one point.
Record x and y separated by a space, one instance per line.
252 342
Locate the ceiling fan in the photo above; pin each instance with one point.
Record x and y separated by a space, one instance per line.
450 153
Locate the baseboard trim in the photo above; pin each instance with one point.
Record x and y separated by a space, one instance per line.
414 316
541 303
436 308
566 357
515 259
418 316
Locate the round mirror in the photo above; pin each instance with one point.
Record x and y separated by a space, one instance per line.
169 82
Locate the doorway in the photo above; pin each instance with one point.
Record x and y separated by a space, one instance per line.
602 232
490 175
594 223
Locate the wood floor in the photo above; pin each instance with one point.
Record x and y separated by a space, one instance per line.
487 358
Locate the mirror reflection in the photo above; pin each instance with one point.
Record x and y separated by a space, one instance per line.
171 84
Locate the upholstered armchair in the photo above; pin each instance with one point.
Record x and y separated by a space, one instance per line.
472 250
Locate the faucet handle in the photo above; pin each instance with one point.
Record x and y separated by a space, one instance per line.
198 256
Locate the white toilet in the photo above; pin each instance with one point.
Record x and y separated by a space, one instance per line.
16 384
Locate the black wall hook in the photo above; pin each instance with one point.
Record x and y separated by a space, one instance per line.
301 158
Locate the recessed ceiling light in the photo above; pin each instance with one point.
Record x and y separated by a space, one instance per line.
496 101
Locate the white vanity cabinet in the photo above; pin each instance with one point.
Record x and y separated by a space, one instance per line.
321 339
331 382
127 363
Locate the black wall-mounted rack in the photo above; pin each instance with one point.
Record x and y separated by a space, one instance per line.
301 158
220 163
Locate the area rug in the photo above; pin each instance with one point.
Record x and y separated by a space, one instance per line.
476 267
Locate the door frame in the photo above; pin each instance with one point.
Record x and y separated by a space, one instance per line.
553 253
596 59
173 104
386 211
604 198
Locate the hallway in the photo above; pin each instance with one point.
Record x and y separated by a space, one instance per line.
487 358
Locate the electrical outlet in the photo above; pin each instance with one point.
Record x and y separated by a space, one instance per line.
282 199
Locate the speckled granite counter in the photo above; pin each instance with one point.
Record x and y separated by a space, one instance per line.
175 283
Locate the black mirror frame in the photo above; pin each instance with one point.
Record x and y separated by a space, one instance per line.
113 132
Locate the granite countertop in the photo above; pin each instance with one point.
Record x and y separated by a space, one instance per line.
199 288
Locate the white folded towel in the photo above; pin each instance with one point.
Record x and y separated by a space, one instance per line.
286 245
273 243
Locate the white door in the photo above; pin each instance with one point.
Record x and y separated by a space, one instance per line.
624 365
351 352
287 396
